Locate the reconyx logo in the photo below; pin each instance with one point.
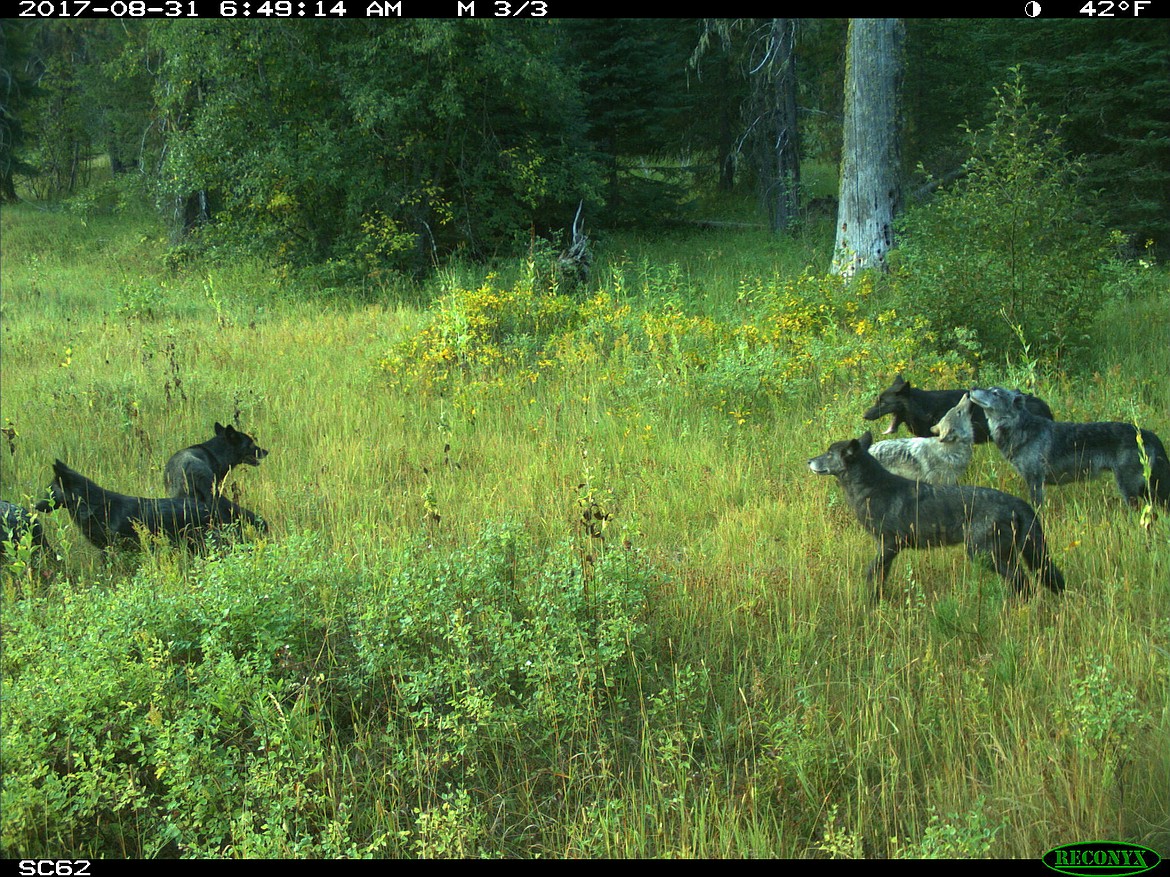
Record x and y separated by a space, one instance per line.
1101 857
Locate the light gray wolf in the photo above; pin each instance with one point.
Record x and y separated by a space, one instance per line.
922 409
1057 452
200 469
900 513
940 460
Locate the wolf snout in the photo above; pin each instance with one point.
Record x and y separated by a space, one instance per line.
980 397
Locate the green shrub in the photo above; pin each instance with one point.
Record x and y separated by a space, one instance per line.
189 710
479 333
1010 249
788 337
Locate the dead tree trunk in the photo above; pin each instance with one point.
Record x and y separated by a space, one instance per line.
574 263
870 186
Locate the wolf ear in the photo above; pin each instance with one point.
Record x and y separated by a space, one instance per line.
899 381
1018 401
219 429
864 440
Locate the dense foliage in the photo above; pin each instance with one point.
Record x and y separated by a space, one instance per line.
377 146
548 574
789 337
1123 136
190 696
386 148
1008 257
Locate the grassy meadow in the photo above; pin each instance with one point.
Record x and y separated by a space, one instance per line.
548 574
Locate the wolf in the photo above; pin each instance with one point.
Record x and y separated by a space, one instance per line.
1057 452
199 470
922 409
941 460
901 513
15 522
109 519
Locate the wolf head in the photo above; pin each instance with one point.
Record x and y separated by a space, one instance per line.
75 493
890 401
955 425
841 455
998 403
243 446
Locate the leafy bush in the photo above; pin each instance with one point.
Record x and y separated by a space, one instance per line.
479 332
811 330
187 711
791 335
1010 249
422 141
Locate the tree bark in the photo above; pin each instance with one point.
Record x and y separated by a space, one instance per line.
728 116
779 143
870 187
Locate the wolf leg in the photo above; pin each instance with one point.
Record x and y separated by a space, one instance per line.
879 568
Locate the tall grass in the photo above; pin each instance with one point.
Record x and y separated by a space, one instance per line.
580 596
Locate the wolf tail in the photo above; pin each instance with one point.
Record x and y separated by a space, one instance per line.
70 484
67 476
73 491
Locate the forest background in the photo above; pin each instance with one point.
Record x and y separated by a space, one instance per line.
548 574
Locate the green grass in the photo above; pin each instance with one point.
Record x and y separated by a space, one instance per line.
431 655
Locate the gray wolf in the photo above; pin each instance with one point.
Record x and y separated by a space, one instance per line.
922 409
941 460
901 513
15 522
1057 452
109 519
199 470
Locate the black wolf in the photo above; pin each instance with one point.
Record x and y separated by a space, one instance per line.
922 409
1057 452
200 469
901 513
15 521
107 518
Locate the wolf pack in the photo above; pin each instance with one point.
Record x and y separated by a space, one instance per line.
905 491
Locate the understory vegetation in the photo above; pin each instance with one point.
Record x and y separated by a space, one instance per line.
548 573
536 321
